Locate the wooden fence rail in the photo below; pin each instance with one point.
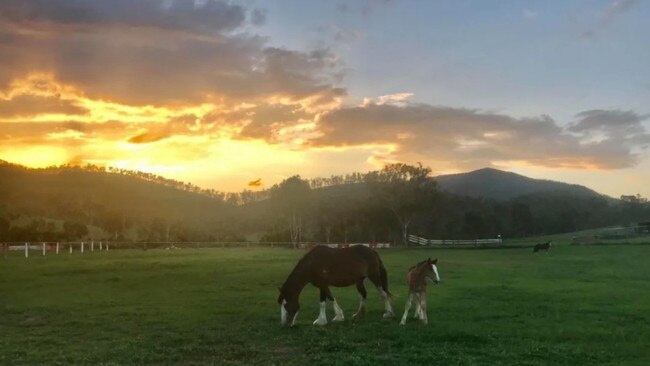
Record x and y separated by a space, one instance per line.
83 247
413 239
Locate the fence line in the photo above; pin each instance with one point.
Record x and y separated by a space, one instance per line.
55 248
413 239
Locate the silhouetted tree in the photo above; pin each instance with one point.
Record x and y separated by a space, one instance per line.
405 190
292 199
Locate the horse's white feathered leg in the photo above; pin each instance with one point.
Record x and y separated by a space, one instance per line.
388 308
322 316
407 307
339 317
362 308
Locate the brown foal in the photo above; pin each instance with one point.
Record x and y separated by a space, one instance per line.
417 280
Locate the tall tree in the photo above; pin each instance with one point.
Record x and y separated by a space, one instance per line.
406 190
292 200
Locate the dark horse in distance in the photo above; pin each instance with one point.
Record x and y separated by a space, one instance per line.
543 246
324 267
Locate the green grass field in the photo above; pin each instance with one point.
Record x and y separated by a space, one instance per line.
578 305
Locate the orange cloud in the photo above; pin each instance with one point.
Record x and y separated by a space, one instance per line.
144 138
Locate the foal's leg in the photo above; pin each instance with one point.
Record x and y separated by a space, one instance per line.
423 307
417 314
322 316
407 307
339 317
362 300
416 298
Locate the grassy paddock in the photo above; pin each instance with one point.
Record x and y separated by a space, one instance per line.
576 305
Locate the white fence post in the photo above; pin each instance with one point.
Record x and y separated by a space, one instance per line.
107 247
100 246
82 247
92 246
70 247
43 249
57 247
26 250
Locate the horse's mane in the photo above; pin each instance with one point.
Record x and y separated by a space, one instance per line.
418 265
297 269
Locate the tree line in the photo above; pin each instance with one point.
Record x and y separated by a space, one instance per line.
76 203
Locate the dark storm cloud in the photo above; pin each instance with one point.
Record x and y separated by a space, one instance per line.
624 128
609 120
157 52
471 138
186 15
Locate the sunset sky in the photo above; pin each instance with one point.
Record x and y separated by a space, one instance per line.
221 93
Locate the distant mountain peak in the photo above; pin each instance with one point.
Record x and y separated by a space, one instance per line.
502 185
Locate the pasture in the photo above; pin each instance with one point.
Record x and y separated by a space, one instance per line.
576 305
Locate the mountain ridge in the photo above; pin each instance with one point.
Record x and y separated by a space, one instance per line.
504 185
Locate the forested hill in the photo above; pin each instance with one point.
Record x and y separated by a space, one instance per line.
80 203
121 203
500 185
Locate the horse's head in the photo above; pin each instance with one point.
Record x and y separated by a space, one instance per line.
289 307
431 270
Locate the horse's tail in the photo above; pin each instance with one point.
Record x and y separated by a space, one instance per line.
383 277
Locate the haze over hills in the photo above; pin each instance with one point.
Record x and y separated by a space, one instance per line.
128 204
501 185
37 204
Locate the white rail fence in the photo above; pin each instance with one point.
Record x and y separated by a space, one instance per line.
28 249
413 239
44 248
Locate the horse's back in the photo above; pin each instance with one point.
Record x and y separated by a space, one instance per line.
360 252
346 266
364 252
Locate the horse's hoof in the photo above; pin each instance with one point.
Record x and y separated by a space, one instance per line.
402 323
388 315
338 319
320 322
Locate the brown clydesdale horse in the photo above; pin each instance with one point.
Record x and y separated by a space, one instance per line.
324 267
417 277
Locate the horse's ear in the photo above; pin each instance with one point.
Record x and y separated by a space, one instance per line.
434 261
429 260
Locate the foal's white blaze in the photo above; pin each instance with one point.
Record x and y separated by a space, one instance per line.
283 313
435 271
